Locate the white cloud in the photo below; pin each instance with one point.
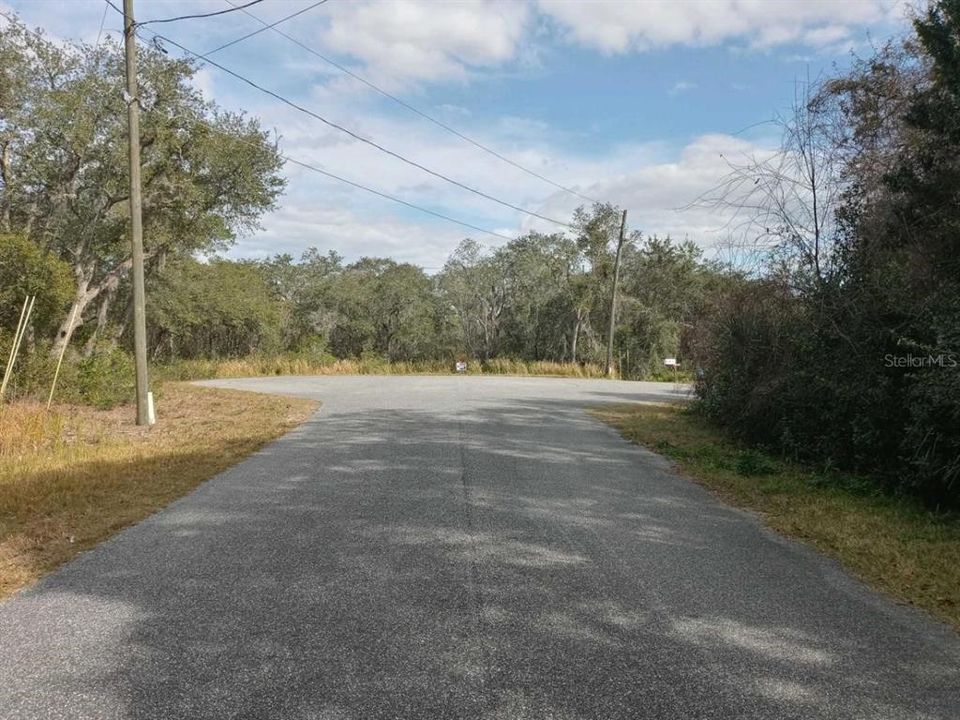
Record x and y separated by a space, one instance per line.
681 87
658 194
613 26
406 39
203 81
453 110
302 224
405 42
826 35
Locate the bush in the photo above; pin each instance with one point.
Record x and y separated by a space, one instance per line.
753 464
780 376
32 372
931 433
104 380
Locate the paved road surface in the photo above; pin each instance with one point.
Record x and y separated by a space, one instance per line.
462 547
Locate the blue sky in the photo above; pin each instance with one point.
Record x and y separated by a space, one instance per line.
631 102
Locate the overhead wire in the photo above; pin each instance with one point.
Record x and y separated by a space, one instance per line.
265 27
201 15
395 199
401 102
347 131
356 136
103 20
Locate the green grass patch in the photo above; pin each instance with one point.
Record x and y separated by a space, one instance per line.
891 542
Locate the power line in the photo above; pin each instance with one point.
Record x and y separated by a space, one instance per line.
265 26
395 199
403 103
201 15
361 186
103 20
355 135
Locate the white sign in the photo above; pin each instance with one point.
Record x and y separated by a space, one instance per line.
670 361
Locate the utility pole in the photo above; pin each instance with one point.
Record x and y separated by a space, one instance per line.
136 219
613 295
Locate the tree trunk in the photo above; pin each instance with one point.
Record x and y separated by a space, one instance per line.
576 336
5 176
102 314
85 295
75 314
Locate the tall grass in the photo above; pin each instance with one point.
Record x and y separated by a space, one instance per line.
256 366
505 366
28 428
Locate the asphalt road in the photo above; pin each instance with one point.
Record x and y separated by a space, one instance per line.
462 547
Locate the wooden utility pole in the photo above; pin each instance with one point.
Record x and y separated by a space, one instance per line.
613 295
136 219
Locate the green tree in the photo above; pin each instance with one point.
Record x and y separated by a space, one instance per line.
473 286
212 310
539 271
382 307
665 285
878 334
26 270
404 307
207 174
304 287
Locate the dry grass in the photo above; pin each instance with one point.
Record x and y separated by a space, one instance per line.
72 478
26 428
891 543
258 366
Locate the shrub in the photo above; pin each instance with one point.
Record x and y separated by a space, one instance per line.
32 372
782 376
105 379
751 463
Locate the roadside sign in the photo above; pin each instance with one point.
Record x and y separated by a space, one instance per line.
670 362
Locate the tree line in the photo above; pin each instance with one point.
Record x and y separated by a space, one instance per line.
539 297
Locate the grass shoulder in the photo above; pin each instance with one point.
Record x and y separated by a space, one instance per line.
72 477
892 543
